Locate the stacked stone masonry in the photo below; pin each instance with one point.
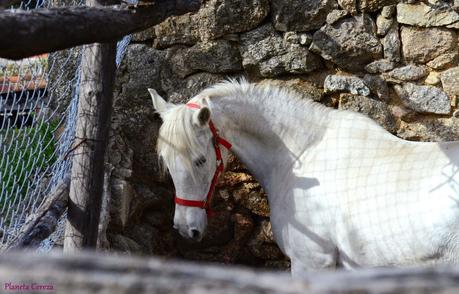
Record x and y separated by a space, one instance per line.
395 61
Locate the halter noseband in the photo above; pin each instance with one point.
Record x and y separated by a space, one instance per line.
205 204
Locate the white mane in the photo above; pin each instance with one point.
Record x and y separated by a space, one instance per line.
177 136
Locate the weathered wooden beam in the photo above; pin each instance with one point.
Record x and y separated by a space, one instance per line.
37 31
91 136
43 222
91 140
96 273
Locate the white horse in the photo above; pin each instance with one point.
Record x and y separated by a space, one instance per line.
341 189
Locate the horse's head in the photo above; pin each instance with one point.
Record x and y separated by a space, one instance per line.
188 146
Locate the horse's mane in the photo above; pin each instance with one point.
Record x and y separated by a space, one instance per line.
178 137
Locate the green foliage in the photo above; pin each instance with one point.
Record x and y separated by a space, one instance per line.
32 151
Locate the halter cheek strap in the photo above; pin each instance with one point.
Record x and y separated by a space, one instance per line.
205 204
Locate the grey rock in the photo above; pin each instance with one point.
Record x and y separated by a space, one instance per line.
450 81
181 90
421 45
265 53
388 11
305 39
218 56
380 66
383 25
145 35
408 73
176 30
354 6
375 109
338 44
378 86
392 43
336 15
215 19
444 61
349 5
144 66
298 15
424 99
354 85
424 15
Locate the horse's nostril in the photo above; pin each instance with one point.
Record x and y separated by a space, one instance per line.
195 234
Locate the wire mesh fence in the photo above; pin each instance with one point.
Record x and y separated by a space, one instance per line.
38 105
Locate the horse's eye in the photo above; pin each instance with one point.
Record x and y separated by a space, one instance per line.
200 161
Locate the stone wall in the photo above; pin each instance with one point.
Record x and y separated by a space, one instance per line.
395 62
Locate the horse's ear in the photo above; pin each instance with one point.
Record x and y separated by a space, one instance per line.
158 102
202 116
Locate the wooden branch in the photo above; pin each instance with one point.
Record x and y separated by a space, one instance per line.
96 273
43 222
28 33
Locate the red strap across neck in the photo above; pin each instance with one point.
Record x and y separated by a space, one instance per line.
205 204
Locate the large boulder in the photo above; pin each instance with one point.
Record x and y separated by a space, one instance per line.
299 15
421 45
350 43
426 15
220 56
215 19
265 53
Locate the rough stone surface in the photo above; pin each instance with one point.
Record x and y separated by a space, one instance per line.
421 45
375 109
424 99
388 11
407 73
298 15
215 19
305 88
336 15
353 85
377 86
218 56
354 6
433 78
350 43
380 66
450 81
392 44
444 61
425 15
383 25
265 53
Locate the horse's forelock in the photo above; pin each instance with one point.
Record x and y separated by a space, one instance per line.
177 137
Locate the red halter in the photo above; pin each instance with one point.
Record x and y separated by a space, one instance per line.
205 204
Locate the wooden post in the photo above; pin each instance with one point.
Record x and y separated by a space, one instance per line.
91 136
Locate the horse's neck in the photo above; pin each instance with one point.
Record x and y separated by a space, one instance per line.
268 136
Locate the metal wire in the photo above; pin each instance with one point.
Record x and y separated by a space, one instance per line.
34 145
